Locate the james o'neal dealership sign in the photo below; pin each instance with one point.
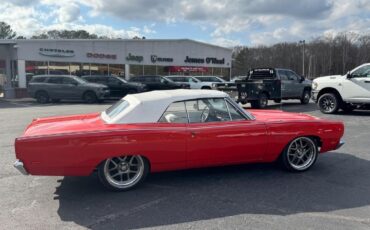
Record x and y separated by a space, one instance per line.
208 60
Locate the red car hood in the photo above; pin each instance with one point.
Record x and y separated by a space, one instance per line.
278 115
63 124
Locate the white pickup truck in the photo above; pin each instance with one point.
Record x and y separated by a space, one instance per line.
347 92
197 82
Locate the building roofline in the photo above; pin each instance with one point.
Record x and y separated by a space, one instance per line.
13 41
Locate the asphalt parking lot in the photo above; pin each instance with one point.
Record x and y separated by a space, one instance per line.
334 194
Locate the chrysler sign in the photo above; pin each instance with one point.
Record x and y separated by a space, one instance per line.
56 52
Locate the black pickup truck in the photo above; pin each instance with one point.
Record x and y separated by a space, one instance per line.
263 84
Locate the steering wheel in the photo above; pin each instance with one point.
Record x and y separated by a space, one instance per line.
205 114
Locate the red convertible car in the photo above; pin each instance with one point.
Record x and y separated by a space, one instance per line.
170 130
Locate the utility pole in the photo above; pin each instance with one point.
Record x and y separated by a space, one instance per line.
303 43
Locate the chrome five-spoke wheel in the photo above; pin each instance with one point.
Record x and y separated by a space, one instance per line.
300 154
123 173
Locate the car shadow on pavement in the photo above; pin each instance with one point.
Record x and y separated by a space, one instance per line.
338 181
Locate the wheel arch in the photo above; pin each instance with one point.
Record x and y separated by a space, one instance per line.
103 160
41 91
315 138
88 91
329 90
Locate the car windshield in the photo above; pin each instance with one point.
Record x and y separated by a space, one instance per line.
170 80
116 108
210 79
80 80
121 79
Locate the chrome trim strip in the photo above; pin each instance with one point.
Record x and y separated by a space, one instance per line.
19 165
341 143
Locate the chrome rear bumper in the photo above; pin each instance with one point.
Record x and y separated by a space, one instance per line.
341 142
19 165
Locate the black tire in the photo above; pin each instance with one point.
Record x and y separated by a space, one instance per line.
290 158
42 97
328 103
105 177
261 103
305 98
55 100
90 97
277 100
206 87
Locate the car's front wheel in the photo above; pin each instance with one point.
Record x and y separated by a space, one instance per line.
261 103
42 97
328 103
90 97
300 154
305 99
123 173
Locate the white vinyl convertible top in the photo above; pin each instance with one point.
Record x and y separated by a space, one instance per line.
148 107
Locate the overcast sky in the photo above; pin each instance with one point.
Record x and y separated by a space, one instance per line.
226 23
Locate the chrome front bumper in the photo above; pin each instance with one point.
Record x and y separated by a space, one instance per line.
19 165
341 142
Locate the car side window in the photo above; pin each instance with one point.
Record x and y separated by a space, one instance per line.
234 113
55 80
292 76
67 81
207 110
175 113
362 72
113 81
282 75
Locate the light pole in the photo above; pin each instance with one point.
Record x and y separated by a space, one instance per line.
303 43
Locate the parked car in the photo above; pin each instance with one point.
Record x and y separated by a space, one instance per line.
171 130
118 87
65 87
263 84
156 82
347 92
207 81
193 82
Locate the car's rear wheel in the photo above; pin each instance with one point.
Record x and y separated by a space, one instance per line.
300 154
42 97
90 97
123 173
261 103
328 103
305 99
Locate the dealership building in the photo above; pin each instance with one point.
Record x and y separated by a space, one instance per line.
22 59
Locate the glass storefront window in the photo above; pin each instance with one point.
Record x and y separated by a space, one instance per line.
36 67
117 70
59 68
99 69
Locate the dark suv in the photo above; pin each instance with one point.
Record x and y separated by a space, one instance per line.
118 87
65 87
156 82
